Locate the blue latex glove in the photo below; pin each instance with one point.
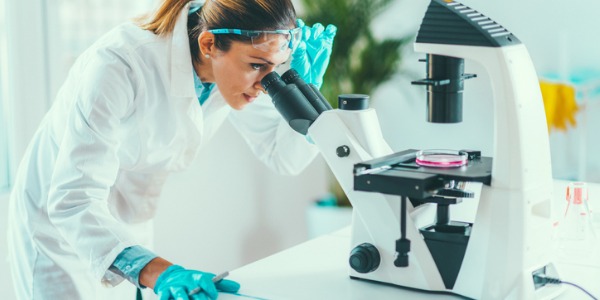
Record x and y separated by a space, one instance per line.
311 57
176 282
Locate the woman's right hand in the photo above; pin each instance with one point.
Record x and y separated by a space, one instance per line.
177 282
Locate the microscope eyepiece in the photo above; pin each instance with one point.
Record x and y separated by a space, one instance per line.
290 76
299 103
272 80
310 91
290 102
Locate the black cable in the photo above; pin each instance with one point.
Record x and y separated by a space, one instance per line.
541 279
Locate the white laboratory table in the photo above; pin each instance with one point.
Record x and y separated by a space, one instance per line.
318 269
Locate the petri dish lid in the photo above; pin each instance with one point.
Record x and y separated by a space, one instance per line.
441 158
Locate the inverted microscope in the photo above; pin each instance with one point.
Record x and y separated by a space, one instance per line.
402 233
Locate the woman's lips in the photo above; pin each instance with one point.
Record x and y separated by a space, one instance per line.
250 98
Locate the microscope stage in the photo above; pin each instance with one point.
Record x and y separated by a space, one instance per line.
399 174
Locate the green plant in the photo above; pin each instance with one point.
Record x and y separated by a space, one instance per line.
359 62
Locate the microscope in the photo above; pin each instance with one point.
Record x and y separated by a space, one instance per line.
402 234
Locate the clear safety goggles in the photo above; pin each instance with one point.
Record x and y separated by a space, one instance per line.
268 40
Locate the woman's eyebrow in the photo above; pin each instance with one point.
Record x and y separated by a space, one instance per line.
265 60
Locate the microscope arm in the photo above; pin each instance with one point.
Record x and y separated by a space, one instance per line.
360 133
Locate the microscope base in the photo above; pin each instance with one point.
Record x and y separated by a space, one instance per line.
410 288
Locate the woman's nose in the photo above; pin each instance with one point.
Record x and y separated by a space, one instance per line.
258 86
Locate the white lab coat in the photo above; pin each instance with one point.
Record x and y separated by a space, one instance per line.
125 118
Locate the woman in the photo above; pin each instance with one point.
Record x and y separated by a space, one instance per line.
136 106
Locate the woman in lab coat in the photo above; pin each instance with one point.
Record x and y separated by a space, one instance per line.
136 106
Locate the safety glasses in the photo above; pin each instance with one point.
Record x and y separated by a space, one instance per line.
268 40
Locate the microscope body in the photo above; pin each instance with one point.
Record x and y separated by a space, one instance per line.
401 229
509 237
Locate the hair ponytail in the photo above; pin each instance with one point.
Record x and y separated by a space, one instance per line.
164 19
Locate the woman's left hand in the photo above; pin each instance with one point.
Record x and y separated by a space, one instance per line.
311 57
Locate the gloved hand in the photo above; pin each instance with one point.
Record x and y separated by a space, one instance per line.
311 57
176 282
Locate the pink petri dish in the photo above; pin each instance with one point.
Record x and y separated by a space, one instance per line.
441 158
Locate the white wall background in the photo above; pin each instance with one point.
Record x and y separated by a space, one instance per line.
228 210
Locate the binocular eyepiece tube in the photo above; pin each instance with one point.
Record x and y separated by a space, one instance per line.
299 103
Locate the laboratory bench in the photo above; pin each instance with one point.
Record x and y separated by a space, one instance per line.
318 269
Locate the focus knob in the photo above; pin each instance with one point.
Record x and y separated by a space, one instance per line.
364 258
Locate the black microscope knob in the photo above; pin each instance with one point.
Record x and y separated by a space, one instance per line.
364 258
342 151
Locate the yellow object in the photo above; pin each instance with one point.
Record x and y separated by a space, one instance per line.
560 105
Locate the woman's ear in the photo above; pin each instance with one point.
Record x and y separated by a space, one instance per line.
206 41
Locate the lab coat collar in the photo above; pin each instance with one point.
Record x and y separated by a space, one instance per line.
182 78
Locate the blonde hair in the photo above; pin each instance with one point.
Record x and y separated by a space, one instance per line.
164 19
235 14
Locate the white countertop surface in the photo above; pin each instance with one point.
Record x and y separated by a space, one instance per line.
318 269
